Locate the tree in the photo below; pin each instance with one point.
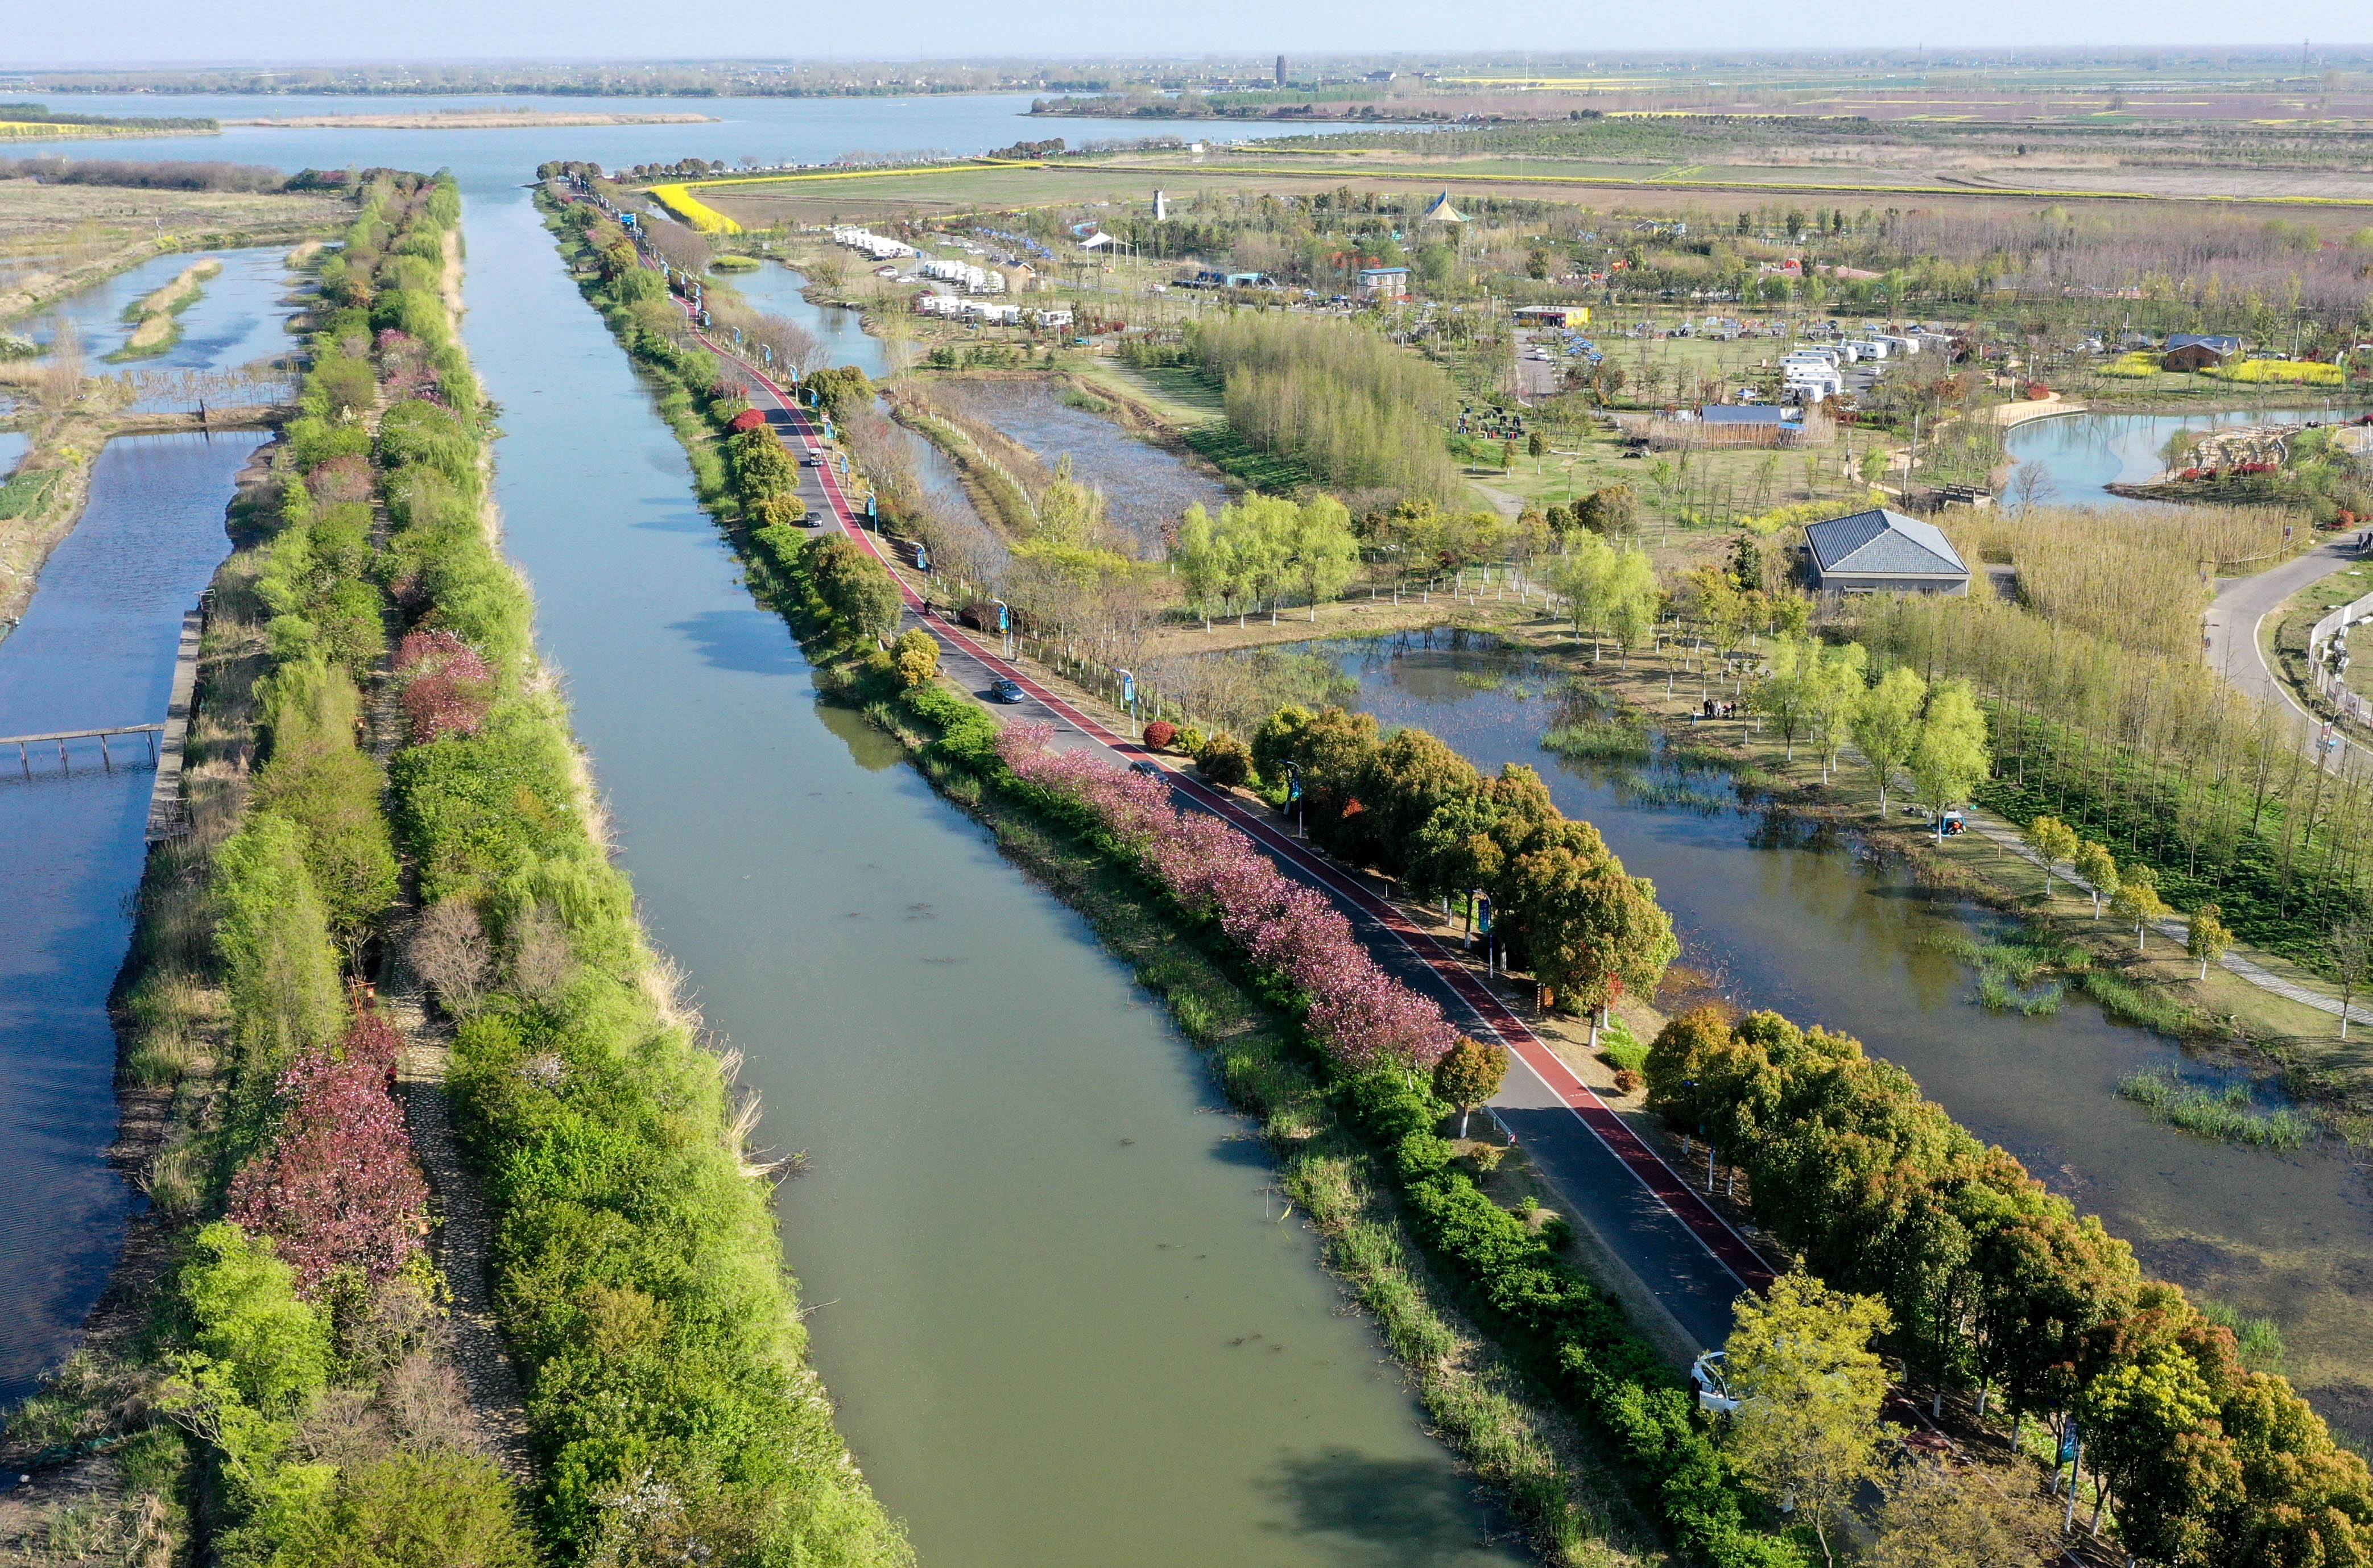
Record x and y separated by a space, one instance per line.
2152 1437
2350 944
1962 1517
1224 761
1469 1073
1788 696
2053 840
2099 868
1588 929
1885 725
1949 759
2138 901
2208 939
1584 580
1320 549
1836 693
916 655
1810 1387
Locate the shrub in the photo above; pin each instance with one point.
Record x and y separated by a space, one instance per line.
1160 733
339 1189
776 511
1225 761
916 655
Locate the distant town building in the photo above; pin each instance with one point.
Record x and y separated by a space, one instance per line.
1551 315
1882 551
1384 283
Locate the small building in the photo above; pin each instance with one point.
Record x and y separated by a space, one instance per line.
1882 551
2197 351
1440 210
1551 315
1385 282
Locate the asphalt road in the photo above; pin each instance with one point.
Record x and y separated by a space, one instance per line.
2231 642
1639 1208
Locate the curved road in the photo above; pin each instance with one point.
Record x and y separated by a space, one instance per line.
1682 1251
2232 645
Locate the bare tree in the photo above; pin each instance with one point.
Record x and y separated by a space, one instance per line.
2350 945
2031 482
449 949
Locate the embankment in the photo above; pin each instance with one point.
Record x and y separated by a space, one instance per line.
388 788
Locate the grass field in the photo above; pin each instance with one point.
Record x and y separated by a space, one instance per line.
1661 186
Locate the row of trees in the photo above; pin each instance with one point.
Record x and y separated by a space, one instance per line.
1260 546
2157 755
1356 409
1990 1279
1899 723
1565 908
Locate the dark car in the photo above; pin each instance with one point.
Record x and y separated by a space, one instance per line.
1146 765
1005 690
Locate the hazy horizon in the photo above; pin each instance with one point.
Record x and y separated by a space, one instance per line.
153 34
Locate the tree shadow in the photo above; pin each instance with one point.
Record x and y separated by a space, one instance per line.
750 641
1385 1513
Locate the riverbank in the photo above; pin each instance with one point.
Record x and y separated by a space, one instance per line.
104 230
566 1033
40 503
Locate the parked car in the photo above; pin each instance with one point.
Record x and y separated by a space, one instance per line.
1713 1389
1006 690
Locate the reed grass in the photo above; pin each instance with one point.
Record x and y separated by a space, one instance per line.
2136 577
2224 1115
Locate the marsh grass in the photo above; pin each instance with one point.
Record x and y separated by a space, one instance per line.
2130 1003
2259 1341
2227 1114
1598 741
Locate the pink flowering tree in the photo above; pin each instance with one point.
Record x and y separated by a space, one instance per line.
1360 1015
339 1188
447 688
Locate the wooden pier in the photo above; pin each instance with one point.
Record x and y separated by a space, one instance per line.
164 742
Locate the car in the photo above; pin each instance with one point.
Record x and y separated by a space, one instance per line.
1146 765
1006 690
811 458
1713 1391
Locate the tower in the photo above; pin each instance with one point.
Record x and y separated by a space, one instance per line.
1161 205
1280 70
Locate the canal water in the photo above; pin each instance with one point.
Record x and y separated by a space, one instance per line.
1062 1315
1776 917
96 648
2084 451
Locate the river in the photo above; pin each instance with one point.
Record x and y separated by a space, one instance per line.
96 648
1777 918
1047 1284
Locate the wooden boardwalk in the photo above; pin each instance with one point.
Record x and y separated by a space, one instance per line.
165 741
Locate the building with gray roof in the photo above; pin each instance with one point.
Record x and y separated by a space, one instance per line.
1882 551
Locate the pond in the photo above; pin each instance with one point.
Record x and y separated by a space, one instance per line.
1778 916
238 319
1145 486
2084 451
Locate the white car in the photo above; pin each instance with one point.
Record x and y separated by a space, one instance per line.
1713 1391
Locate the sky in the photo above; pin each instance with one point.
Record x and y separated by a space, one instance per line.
216 32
